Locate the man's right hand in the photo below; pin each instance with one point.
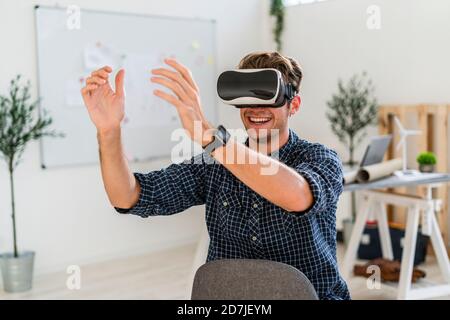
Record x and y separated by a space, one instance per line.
106 108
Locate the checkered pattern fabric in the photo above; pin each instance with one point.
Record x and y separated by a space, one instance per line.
242 224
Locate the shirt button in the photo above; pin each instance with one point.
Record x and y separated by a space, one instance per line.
254 238
225 203
255 205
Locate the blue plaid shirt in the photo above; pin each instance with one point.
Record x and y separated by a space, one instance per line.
242 224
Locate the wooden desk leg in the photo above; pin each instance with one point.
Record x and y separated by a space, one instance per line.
383 230
353 244
409 248
439 249
426 214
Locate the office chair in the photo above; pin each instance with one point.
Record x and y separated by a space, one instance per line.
250 279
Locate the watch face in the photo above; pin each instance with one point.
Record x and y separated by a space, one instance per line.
223 134
220 138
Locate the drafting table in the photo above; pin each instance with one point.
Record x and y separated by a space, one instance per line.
417 207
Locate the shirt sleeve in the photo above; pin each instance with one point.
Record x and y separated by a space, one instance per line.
322 169
170 190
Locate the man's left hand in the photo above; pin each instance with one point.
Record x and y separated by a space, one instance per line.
185 97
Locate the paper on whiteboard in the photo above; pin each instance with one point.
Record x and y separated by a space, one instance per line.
195 45
73 92
142 107
98 55
210 60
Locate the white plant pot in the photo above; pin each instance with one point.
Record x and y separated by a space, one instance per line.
17 273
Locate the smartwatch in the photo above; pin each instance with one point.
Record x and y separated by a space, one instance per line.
220 138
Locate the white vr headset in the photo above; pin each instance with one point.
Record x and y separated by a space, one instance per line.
246 88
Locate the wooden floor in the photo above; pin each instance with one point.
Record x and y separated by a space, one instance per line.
162 275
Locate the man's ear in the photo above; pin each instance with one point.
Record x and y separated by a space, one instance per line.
295 105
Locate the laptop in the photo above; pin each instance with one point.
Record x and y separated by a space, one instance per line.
375 150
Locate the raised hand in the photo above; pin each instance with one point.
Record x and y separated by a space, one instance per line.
106 108
185 97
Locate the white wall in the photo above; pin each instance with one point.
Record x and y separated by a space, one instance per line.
407 59
64 214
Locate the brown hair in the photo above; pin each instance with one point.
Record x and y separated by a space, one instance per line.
289 67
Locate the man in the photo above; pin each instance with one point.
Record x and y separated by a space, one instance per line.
287 217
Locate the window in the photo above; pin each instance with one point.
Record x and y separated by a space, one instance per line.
288 3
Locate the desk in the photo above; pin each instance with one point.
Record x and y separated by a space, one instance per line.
394 181
418 207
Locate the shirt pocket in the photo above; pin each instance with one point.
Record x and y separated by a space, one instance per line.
276 220
231 214
288 221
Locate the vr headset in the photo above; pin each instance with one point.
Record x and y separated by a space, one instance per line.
246 88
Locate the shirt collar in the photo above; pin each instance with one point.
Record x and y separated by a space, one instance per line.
283 153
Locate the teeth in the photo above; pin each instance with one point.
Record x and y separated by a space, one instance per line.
254 119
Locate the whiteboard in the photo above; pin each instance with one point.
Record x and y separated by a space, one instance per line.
137 43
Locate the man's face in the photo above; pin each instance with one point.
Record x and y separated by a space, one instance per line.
261 120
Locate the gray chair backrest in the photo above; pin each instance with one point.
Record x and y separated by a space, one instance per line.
250 279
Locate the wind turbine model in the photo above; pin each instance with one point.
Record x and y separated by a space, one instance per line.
404 142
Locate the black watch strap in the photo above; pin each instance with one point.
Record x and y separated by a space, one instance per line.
220 138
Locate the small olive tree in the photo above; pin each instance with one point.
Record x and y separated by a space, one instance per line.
20 123
351 110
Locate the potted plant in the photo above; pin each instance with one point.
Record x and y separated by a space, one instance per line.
350 111
426 161
20 123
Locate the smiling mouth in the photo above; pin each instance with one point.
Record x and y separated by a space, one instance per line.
259 120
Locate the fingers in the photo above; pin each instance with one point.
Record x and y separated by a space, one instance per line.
102 72
95 80
185 72
92 84
120 76
90 87
172 85
86 91
169 98
175 76
98 77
